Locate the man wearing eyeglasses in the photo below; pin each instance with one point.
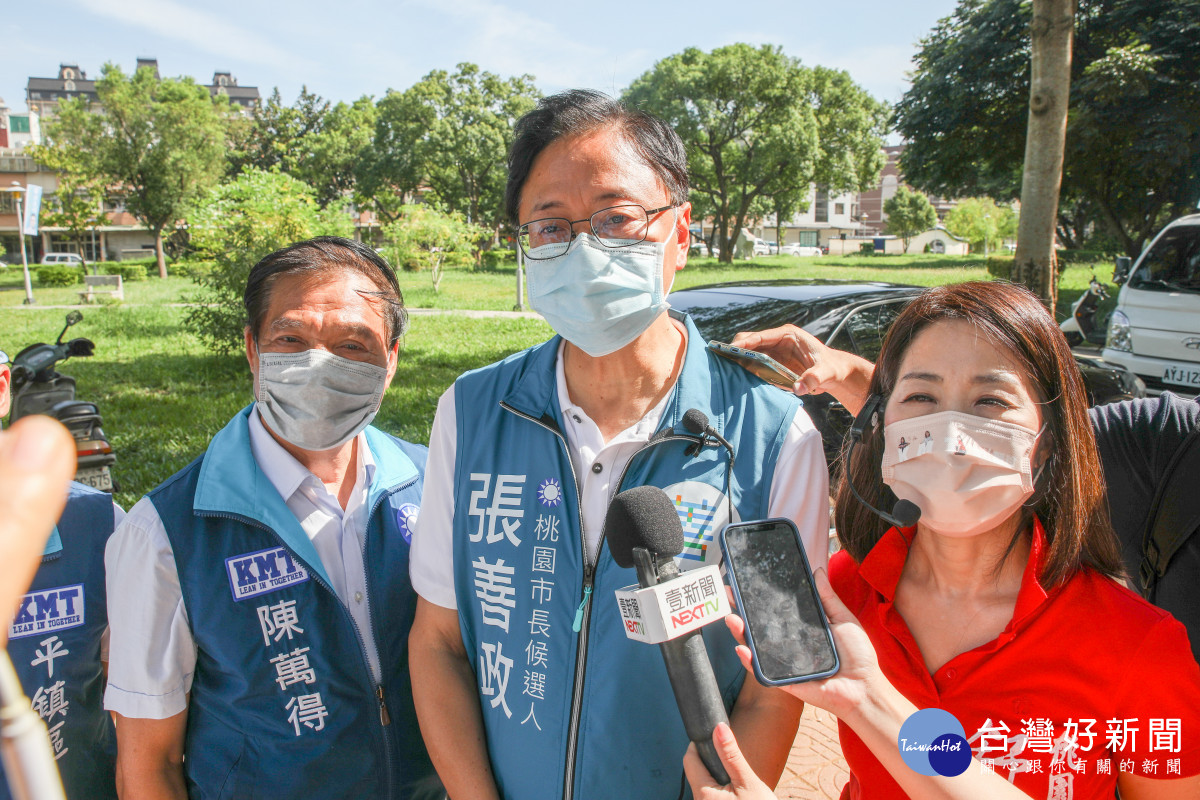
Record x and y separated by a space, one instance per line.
58 637
524 682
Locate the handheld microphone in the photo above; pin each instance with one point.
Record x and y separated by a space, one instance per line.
643 531
905 513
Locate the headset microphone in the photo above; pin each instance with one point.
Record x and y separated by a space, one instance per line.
905 513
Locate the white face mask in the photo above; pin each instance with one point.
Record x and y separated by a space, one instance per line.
967 474
599 298
316 400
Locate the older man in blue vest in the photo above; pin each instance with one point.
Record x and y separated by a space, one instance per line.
525 684
259 598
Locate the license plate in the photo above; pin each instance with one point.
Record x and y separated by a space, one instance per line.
1183 374
97 478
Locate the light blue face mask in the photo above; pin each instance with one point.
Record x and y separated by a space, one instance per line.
599 298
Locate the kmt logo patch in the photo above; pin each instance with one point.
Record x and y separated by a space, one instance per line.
406 520
253 574
48 610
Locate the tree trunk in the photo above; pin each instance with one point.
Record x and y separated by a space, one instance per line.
1049 95
726 256
159 255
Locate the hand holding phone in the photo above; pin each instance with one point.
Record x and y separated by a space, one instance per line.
757 363
786 628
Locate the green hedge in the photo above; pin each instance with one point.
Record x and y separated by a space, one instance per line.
59 275
867 248
498 257
1000 267
1086 256
127 271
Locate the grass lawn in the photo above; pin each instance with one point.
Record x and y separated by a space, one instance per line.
163 396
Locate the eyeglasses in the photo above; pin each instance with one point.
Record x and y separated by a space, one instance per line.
616 226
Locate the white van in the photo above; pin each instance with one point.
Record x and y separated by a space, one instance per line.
72 259
1155 330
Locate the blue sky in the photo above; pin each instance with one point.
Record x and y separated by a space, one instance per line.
344 50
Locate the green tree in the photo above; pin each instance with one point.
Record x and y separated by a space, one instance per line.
316 142
76 203
425 238
909 213
235 225
982 223
276 134
160 141
449 133
758 125
392 169
1132 159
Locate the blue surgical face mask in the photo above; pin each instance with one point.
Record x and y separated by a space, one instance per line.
599 298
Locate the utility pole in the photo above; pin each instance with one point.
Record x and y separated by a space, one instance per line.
1052 33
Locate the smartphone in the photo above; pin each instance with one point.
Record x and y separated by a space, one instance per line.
786 628
757 363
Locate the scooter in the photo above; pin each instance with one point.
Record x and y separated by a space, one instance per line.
39 388
1081 326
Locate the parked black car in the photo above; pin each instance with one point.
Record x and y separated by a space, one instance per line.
851 316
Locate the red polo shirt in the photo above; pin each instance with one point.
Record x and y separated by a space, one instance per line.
1088 657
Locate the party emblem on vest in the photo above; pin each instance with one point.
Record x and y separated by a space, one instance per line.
48 610
264 571
703 511
406 520
550 493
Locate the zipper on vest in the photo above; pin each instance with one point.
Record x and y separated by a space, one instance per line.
384 718
387 756
583 614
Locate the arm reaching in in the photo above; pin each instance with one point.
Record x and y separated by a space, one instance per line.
821 369
861 696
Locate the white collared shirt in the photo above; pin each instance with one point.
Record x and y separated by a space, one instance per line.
799 489
152 652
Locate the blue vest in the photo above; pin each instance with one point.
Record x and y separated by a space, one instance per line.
571 707
283 703
54 643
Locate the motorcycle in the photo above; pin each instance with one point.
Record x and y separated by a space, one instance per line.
39 388
1081 326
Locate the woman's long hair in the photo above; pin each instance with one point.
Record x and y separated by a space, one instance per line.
1069 497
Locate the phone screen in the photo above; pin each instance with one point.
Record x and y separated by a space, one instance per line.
758 364
787 631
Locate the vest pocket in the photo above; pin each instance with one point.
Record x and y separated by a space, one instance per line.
222 767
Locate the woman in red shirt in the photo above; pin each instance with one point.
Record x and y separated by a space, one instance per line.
1002 605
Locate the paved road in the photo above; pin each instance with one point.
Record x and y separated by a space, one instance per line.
815 768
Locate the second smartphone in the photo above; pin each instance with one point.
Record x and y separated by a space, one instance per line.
786 628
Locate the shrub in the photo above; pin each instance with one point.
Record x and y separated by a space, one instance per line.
867 248
234 226
1000 267
59 275
425 238
498 258
128 272
196 270
1086 256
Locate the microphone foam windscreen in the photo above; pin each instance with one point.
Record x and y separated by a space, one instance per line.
695 421
906 513
642 517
